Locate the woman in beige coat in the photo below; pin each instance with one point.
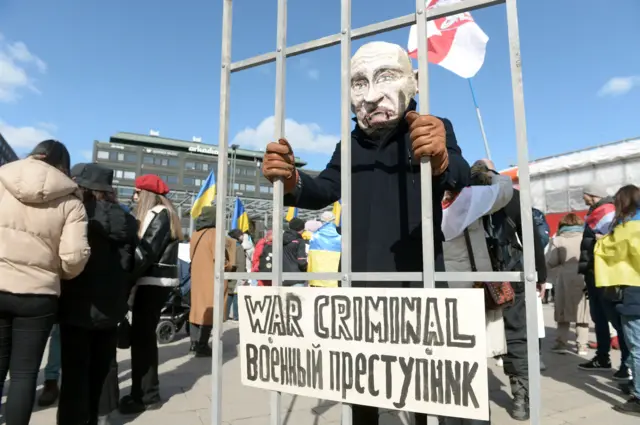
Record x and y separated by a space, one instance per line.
43 239
571 305
203 254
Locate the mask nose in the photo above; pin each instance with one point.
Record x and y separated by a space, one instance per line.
372 98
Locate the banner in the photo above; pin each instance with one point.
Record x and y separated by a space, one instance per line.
417 350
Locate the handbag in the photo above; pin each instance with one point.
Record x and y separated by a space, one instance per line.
497 295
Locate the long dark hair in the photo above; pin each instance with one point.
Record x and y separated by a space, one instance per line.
626 201
53 153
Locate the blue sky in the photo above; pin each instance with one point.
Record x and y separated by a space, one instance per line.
81 71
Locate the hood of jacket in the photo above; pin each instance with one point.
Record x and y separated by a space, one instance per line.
206 221
35 182
290 236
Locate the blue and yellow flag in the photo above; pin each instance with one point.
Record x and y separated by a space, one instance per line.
206 196
337 212
240 217
617 255
324 254
291 213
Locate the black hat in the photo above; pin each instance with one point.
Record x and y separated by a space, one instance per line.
76 170
296 224
95 177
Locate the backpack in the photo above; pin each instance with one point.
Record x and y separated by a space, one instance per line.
542 227
503 243
264 264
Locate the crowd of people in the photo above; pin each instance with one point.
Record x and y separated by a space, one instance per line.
75 264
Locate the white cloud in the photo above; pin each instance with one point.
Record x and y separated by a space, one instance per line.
619 85
305 65
16 63
86 155
303 137
24 137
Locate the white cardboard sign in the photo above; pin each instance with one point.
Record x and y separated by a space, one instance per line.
417 350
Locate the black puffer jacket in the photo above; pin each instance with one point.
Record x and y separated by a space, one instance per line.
97 298
294 255
156 261
594 216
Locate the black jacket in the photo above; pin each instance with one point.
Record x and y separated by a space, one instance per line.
512 210
156 258
385 188
97 298
588 244
294 255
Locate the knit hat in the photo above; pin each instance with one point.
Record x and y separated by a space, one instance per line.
296 224
595 189
152 183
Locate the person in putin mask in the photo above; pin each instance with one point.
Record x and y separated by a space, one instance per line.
155 273
93 303
387 144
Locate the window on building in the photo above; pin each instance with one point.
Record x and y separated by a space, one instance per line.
125 192
170 179
236 186
205 166
189 165
130 175
264 189
251 188
130 157
103 155
147 159
191 181
173 162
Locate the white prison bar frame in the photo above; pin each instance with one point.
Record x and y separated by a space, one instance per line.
428 276
363 32
387 277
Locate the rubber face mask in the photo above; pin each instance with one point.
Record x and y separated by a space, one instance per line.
382 85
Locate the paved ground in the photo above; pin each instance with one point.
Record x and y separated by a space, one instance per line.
568 395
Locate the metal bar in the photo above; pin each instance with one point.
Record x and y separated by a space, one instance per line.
218 298
426 199
363 32
526 212
386 277
345 158
278 189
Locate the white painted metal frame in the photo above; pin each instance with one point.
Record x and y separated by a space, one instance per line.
428 276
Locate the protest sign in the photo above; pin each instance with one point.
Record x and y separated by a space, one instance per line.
417 350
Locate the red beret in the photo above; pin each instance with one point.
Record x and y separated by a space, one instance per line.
152 183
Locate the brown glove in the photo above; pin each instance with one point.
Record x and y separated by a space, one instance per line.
279 161
429 138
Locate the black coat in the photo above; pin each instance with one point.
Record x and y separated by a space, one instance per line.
385 188
294 255
512 210
156 257
97 298
588 244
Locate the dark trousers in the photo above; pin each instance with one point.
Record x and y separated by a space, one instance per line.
147 304
87 358
199 334
367 415
516 361
599 318
25 324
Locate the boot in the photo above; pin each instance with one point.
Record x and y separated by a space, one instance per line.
49 393
520 408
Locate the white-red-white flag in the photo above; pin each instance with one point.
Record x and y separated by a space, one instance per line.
455 42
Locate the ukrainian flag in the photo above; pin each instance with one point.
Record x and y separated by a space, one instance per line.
291 213
324 254
206 196
617 255
240 217
337 212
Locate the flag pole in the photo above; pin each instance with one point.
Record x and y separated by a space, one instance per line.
484 135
